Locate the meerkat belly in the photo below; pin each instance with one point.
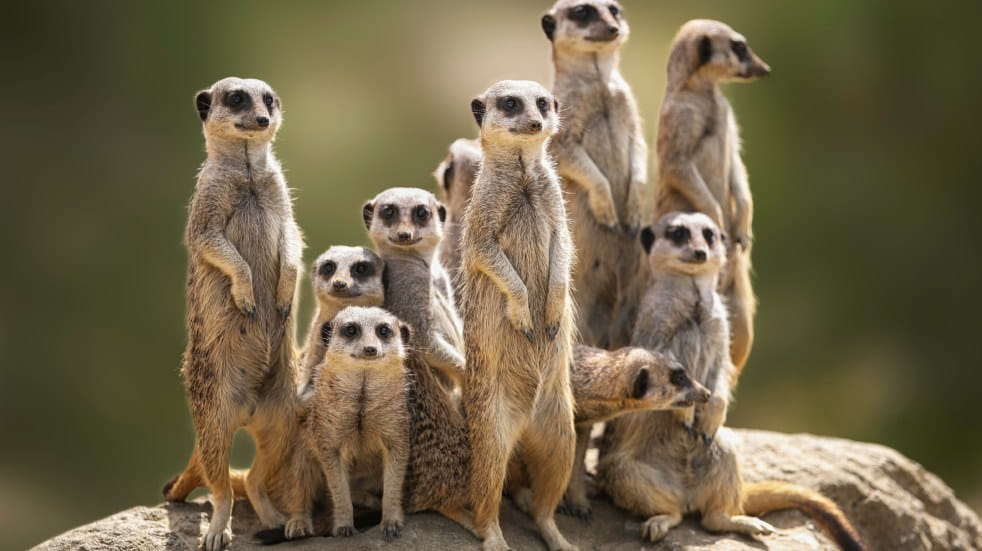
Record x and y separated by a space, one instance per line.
254 229
525 241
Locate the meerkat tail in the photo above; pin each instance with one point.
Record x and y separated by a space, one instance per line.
179 487
764 497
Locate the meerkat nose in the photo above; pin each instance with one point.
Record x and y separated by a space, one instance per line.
403 236
536 125
339 285
262 121
700 255
613 30
371 351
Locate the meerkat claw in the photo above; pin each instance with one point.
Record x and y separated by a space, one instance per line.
529 334
552 331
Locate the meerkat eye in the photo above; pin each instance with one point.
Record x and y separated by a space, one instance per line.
543 105
740 49
614 10
235 98
388 211
510 103
268 100
678 234
351 330
328 268
383 331
582 12
709 236
421 213
360 269
678 377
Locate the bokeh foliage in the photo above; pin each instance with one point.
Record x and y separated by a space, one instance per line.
862 149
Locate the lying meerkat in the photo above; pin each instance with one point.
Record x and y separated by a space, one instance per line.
665 466
700 168
244 253
455 177
518 317
343 276
602 157
358 410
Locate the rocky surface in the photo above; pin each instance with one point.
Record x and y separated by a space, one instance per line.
894 503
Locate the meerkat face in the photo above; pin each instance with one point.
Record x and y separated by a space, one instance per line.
456 173
685 243
367 334
661 381
714 51
349 275
236 108
516 112
406 218
586 25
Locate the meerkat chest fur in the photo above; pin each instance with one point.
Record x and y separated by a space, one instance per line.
718 140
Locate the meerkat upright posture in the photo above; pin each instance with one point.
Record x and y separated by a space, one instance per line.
244 255
455 176
700 168
664 465
602 157
518 316
343 276
358 410
406 225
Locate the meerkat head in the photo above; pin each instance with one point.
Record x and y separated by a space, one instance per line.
684 243
405 218
660 381
585 26
456 173
516 112
350 276
237 108
368 334
710 51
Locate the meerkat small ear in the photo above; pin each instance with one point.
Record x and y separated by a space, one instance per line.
447 175
640 387
326 331
477 108
367 212
705 50
441 212
549 26
555 105
202 102
405 333
647 238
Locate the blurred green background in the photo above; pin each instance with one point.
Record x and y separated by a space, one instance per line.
862 149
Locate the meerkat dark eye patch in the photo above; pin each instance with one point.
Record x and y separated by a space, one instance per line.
441 211
549 26
327 269
389 214
326 330
510 105
583 14
678 234
237 100
647 237
383 331
268 100
640 384
477 109
709 236
202 102
705 50
421 215
740 49
367 212
404 333
448 175
350 331
362 270
615 10
679 378
543 105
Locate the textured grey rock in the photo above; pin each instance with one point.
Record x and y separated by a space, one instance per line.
894 503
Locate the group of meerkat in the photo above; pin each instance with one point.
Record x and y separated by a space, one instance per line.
440 371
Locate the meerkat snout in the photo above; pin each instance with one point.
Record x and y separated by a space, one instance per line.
713 50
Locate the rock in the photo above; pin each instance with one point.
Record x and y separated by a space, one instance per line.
893 502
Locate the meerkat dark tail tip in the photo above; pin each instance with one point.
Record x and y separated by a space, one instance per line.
168 486
271 536
763 497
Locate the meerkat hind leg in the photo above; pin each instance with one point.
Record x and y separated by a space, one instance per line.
576 503
658 526
215 440
548 455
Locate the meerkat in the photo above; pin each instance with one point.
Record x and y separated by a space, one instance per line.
663 465
518 316
343 276
700 168
455 177
602 158
358 410
406 226
244 253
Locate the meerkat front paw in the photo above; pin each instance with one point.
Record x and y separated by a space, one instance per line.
751 526
602 207
520 317
632 222
244 298
575 508
284 311
658 526
216 541
298 527
709 418
344 531
392 529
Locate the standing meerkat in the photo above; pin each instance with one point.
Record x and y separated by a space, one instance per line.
663 465
244 253
700 168
406 225
358 410
455 177
602 157
343 276
518 316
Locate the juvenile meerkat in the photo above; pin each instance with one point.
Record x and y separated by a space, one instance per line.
602 157
244 253
518 316
652 464
700 168
455 177
343 276
358 410
406 226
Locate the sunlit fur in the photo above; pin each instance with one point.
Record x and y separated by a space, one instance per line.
455 177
